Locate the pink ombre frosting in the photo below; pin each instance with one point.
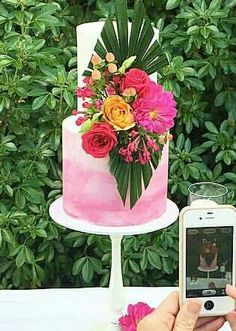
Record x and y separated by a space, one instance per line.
90 192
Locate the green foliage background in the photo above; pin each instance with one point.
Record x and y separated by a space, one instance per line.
37 82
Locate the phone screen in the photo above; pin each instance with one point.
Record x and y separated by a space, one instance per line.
209 261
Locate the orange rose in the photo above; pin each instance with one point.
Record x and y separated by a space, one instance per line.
118 113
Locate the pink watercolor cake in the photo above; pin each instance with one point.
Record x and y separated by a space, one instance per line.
89 189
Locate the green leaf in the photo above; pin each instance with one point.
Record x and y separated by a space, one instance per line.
69 98
20 199
41 233
147 174
8 190
32 194
149 55
39 102
154 258
87 271
122 26
21 257
135 183
78 265
8 236
171 4
29 255
5 60
131 176
10 147
134 266
211 127
86 126
230 176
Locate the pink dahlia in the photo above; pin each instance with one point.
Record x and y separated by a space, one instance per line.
155 111
135 314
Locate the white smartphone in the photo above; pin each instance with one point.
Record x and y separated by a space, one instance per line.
207 257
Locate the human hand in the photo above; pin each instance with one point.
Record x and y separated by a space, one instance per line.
231 317
169 317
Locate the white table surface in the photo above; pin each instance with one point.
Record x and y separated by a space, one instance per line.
62 309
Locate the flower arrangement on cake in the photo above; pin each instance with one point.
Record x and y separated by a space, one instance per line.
125 115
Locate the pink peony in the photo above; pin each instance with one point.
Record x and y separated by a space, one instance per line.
135 314
99 140
155 111
138 79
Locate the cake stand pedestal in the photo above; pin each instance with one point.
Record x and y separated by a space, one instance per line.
208 271
116 291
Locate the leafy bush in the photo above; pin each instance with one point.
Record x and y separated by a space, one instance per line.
38 78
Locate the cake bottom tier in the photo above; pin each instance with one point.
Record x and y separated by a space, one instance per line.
90 191
92 196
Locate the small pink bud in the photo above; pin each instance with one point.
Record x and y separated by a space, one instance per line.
112 68
75 112
129 92
110 57
96 60
80 121
161 139
169 136
96 75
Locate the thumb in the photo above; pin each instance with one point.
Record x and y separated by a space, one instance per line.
187 316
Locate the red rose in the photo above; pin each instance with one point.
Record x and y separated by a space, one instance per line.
99 140
138 79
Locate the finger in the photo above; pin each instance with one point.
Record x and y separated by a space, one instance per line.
203 320
149 323
170 304
187 316
212 325
231 291
231 318
162 319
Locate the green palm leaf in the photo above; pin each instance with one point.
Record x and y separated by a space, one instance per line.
115 38
133 177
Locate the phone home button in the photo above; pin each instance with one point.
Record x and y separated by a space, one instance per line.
209 305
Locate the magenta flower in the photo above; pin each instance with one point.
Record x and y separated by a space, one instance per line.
155 111
135 314
84 92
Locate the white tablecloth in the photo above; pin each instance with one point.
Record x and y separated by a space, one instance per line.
66 309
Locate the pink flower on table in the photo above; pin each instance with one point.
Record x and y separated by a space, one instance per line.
135 314
155 111
138 79
99 140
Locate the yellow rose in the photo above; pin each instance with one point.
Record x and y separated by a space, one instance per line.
117 112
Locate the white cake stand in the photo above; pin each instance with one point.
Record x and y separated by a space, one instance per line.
116 291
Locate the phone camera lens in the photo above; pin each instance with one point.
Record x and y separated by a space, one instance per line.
209 305
200 218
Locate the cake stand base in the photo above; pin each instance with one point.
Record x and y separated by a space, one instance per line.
116 290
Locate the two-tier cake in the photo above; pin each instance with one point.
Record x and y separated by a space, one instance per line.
128 184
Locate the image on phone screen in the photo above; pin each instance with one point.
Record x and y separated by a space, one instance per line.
209 261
